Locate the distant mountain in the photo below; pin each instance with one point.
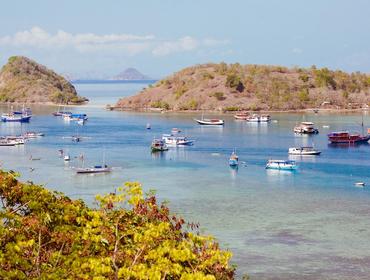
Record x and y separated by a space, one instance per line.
130 74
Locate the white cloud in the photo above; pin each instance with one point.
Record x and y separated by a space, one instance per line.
128 44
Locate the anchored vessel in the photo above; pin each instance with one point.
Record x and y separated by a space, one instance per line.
94 169
344 137
306 128
304 151
158 145
234 159
172 140
281 164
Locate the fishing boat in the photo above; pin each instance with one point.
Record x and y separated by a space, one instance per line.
95 169
306 128
304 151
234 159
158 145
33 134
281 164
344 137
241 116
210 121
172 140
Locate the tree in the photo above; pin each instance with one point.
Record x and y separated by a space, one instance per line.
46 235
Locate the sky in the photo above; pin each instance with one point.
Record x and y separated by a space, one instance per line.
96 38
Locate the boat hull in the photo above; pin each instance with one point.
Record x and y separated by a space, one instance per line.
92 170
210 122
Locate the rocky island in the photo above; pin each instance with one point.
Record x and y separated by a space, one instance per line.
130 74
25 81
236 87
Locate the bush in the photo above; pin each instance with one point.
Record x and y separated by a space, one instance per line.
160 104
46 235
219 96
234 81
232 109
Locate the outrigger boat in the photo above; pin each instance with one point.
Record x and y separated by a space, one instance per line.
172 140
234 159
306 128
95 169
158 145
281 164
344 137
304 151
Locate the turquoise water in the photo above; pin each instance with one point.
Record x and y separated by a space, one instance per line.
309 224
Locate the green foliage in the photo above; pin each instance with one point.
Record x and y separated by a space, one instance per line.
46 235
12 59
207 76
304 77
160 104
232 109
219 95
234 81
193 104
345 94
304 95
324 77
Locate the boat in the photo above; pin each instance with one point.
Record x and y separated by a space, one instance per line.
234 159
281 164
175 130
67 157
344 137
241 116
158 145
15 117
75 117
306 128
81 121
304 151
259 118
95 169
210 121
172 140
17 140
148 126
33 134
360 184
7 143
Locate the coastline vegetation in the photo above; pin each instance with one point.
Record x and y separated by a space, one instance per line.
255 87
128 235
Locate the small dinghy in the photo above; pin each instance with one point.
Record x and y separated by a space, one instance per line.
67 158
234 159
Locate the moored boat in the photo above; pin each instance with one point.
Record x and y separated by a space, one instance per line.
15 117
259 118
175 130
306 128
172 140
304 151
95 169
158 145
6 143
241 116
210 121
344 137
33 134
281 164
234 159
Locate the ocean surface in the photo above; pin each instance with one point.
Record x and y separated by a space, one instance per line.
310 224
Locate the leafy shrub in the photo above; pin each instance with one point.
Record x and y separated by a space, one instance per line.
219 95
234 81
232 109
160 104
46 235
193 104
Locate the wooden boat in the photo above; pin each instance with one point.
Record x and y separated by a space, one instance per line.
94 169
241 116
304 151
15 118
281 164
210 121
306 128
172 140
234 159
347 138
158 145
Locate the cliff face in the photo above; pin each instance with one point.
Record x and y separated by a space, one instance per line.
252 87
24 80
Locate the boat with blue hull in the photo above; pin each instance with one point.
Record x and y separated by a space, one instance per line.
234 160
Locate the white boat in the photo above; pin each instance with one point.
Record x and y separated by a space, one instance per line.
81 121
259 118
67 158
281 164
172 140
303 151
7 143
148 126
158 145
17 140
265 118
306 128
94 169
210 121
360 184
241 116
33 134
175 130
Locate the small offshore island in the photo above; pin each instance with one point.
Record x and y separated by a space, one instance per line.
23 80
234 87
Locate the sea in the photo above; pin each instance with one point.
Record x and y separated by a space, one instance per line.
313 223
